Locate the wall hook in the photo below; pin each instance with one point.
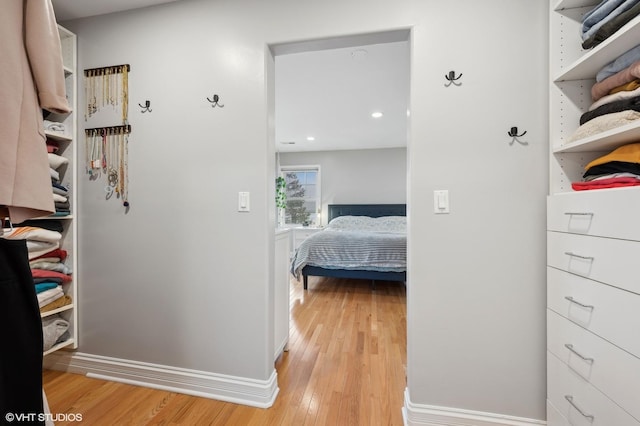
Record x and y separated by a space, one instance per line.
514 133
215 101
451 78
146 107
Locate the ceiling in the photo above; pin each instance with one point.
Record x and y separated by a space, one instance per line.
326 89
73 9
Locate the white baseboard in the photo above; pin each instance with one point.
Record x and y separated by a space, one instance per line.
429 415
238 390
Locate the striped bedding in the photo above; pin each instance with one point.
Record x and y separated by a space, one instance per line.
356 243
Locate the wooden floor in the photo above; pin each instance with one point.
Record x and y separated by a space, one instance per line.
345 366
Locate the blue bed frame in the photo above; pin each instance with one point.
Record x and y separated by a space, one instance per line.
371 210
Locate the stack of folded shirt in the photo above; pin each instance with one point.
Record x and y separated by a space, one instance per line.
60 197
50 269
39 240
54 330
605 19
619 168
46 260
616 97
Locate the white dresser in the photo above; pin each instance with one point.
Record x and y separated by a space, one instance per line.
593 308
593 243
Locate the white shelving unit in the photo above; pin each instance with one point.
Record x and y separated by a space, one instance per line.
68 176
593 240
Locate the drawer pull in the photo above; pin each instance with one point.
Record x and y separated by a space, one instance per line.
573 404
570 347
568 253
572 300
578 214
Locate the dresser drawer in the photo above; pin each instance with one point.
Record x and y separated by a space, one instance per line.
554 418
607 260
614 372
609 312
597 212
578 401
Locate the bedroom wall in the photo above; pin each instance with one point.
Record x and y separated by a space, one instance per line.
356 176
183 279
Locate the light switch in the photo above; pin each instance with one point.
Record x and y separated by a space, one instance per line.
441 201
244 202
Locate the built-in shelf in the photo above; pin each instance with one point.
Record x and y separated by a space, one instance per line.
604 141
56 311
588 65
59 346
58 136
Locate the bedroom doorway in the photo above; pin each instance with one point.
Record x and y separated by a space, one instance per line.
311 126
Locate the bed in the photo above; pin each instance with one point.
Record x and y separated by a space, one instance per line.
361 241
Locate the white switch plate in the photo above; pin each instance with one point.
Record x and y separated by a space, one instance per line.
244 202
441 201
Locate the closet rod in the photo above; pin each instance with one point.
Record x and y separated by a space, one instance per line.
113 69
109 130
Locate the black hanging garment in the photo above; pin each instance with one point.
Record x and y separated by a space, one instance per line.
21 347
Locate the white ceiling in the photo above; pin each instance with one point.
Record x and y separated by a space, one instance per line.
324 88
331 94
72 9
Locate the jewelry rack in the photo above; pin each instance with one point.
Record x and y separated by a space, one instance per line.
107 153
109 130
112 69
107 86
107 148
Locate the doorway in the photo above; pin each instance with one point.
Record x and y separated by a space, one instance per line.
312 126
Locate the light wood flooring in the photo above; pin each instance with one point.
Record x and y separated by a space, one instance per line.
345 366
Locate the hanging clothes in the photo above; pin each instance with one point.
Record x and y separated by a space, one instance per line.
32 80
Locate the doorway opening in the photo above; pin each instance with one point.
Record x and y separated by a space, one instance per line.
325 98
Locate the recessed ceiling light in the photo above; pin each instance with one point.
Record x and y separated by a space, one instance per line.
311 138
376 114
288 142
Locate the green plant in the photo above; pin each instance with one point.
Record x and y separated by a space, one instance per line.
281 193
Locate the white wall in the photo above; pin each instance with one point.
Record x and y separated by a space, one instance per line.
356 176
182 279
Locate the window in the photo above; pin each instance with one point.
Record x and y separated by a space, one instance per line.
302 186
